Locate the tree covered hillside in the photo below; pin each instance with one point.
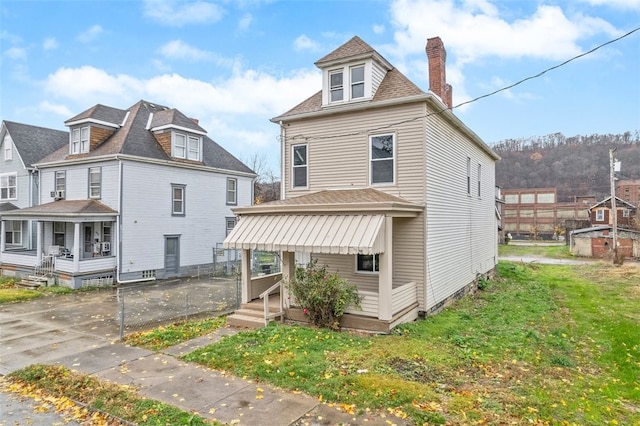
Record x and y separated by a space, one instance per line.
577 165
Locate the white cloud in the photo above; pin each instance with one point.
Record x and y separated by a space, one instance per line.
16 53
87 83
175 13
177 49
378 29
618 4
50 43
58 109
304 43
245 22
90 34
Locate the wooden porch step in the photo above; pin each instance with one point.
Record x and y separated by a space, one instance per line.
33 282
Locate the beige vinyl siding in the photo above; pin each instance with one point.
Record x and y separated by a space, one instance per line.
340 159
345 266
461 227
377 75
408 254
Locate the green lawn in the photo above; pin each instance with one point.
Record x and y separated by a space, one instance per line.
557 251
542 345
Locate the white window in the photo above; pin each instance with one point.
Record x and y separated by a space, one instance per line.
95 182
193 151
357 82
177 200
368 263
9 186
336 87
626 212
599 215
479 180
468 175
61 180
232 191
13 232
80 140
382 149
230 223
187 147
299 170
8 148
179 145
58 233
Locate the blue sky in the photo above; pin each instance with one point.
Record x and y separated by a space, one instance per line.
236 64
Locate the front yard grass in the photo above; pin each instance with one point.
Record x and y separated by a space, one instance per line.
544 344
173 334
10 292
555 251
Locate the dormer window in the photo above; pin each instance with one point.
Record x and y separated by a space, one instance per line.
80 140
187 146
349 82
337 88
357 82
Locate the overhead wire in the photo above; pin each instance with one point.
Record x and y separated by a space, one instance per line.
541 73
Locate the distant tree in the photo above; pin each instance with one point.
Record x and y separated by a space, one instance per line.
266 186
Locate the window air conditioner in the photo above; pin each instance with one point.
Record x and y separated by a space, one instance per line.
105 247
58 195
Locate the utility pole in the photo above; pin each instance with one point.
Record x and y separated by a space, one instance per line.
614 211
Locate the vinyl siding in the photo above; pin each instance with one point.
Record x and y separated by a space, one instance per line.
344 163
377 75
461 227
16 166
147 215
77 182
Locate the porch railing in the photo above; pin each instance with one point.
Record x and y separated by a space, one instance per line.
268 315
45 267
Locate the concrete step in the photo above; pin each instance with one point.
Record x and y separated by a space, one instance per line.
244 321
32 285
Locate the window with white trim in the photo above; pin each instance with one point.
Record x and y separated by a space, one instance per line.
61 180
599 215
479 180
357 82
8 148
186 146
9 186
299 172
368 263
13 232
95 182
336 87
178 200
58 234
232 191
382 159
80 140
626 212
230 224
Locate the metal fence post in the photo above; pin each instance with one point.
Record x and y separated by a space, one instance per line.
186 305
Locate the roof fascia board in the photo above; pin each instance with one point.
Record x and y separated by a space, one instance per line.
62 217
388 208
93 121
171 163
356 58
173 126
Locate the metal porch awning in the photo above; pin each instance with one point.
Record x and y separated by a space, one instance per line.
329 234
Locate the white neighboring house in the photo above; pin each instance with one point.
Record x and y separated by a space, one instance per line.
134 194
384 185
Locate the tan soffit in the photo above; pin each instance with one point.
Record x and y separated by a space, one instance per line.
328 234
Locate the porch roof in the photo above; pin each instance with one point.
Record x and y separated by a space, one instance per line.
349 221
65 210
331 234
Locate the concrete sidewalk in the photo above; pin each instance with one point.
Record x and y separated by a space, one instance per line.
77 331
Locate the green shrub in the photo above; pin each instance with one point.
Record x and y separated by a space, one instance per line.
322 296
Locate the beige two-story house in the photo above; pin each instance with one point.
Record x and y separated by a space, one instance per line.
383 184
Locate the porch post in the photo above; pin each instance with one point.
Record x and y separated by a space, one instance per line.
246 276
3 241
76 247
288 272
385 276
39 241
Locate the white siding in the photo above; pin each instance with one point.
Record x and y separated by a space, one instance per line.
461 227
146 214
77 182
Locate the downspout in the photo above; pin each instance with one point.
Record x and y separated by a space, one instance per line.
119 232
283 142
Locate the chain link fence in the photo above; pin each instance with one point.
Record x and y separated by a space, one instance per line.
148 305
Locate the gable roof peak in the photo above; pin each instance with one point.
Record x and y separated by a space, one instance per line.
354 48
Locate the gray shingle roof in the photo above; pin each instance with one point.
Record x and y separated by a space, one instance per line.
65 207
354 47
101 113
133 138
33 142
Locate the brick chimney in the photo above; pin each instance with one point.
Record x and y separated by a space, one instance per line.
437 56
